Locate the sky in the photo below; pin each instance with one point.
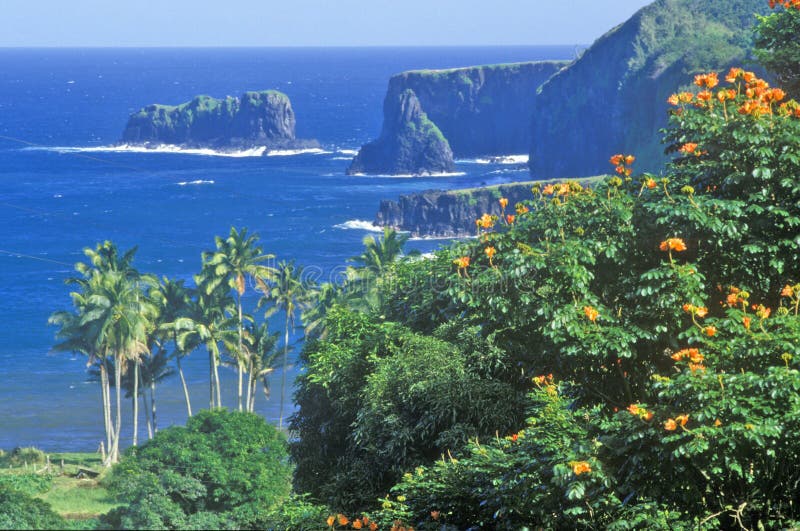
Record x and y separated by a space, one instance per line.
308 22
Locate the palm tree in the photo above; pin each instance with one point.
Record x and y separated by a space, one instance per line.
174 301
237 257
379 253
208 324
262 359
321 299
287 294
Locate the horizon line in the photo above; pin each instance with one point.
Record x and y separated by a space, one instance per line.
287 46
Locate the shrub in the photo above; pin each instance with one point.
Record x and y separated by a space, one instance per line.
19 511
223 470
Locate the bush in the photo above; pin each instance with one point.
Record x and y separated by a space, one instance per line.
19 511
30 484
223 470
25 456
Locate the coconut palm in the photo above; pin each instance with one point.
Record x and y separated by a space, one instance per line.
379 253
174 301
262 359
287 294
208 324
236 258
321 298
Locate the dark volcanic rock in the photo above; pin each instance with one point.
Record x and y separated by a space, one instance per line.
613 99
449 213
409 142
254 119
481 110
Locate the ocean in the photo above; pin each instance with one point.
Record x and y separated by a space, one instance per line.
64 186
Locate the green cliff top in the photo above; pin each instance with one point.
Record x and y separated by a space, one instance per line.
499 66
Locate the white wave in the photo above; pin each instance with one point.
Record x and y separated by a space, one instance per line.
411 175
198 181
341 158
351 152
358 224
162 148
290 152
500 159
436 238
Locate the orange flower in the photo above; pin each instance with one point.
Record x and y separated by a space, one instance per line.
673 100
787 291
717 423
707 80
685 97
682 419
510 218
704 95
694 367
616 160
688 148
515 437
486 221
503 203
331 520
701 311
522 209
673 244
746 322
581 467
373 526
648 416
548 189
591 313
490 252
342 519
710 331
633 409
650 183
692 354
629 159
670 425
357 524
462 262
763 312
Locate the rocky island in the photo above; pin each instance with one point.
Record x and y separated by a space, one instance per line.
409 142
430 116
254 119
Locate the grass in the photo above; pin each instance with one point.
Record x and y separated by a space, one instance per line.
73 498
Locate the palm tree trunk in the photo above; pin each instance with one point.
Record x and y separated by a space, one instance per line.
283 372
114 454
239 353
185 388
211 379
106 402
147 418
135 403
153 405
216 380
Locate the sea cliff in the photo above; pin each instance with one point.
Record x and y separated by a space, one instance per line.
254 119
613 98
452 213
479 111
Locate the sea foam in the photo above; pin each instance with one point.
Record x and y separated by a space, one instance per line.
359 224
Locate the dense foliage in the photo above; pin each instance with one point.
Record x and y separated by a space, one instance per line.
648 326
777 45
223 470
19 510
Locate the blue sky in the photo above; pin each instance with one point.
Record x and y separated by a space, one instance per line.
308 22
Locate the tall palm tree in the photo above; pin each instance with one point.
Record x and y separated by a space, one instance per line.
208 324
174 301
262 359
237 257
286 293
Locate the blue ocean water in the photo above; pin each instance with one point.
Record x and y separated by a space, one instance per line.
60 191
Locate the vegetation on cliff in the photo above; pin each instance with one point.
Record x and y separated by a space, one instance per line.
613 98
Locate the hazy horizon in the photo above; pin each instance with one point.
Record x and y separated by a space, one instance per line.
306 23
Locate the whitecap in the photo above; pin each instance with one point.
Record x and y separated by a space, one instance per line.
352 152
290 152
359 224
162 148
411 175
195 182
499 159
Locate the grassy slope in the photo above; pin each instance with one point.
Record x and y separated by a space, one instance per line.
71 497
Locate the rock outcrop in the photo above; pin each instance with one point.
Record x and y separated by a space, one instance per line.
409 142
253 119
480 110
613 98
449 213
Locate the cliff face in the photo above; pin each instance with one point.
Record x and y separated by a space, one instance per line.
481 110
409 142
613 99
253 119
451 213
